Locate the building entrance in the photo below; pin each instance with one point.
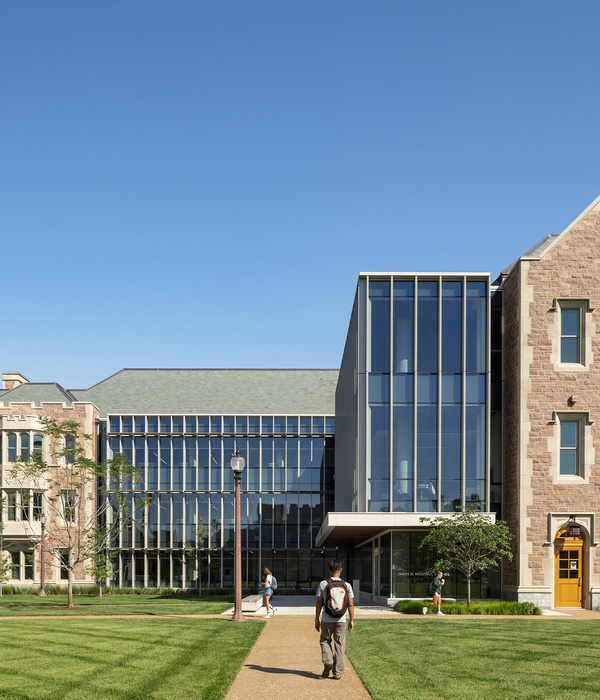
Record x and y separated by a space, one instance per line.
569 568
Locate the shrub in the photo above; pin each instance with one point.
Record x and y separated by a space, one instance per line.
478 607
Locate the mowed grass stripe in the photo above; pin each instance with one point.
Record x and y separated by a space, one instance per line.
139 658
486 658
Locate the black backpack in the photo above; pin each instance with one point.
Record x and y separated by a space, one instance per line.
430 588
335 598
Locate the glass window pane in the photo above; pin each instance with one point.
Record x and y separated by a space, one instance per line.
241 424
178 424
190 424
569 350
427 388
165 424
254 424
568 462
379 301
427 327
140 424
267 424
380 441
403 388
476 340
569 322
228 424
451 326
127 424
568 433
475 388
152 424
451 388
404 322
379 388
203 424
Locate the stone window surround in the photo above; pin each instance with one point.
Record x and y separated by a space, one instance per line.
586 329
586 450
555 521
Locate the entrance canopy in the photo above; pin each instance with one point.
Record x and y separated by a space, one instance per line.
340 529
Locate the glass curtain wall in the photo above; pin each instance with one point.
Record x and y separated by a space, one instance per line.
287 487
427 387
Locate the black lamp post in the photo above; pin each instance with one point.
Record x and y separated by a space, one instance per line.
42 571
237 464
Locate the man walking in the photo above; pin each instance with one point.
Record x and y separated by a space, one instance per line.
335 598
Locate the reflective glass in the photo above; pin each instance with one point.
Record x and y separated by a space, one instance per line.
267 424
165 424
178 463
380 441
190 424
25 445
451 418
427 388
476 340
569 321
178 424
203 424
253 464
329 425
292 425
475 388
215 424
450 495
228 424
475 442
451 326
426 442
140 424
127 424
318 425
568 433
279 425
404 326
165 462
403 457
379 302
306 425
403 388
451 388
569 350
115 424
254 424
152 424
427 327
379 388
203 463
241 425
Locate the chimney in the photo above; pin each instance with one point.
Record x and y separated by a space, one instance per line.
10 380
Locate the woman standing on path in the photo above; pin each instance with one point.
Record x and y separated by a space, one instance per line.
268 591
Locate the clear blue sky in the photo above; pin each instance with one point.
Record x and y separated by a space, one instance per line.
198 183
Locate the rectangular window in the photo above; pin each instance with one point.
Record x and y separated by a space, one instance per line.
570 447
570 335
68 504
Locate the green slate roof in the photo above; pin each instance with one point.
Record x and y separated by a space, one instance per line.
36 394
216 391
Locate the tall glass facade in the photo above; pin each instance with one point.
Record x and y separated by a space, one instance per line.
427 392
287 486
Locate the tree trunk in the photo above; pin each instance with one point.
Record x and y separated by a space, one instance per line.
100 589
70 582
468 590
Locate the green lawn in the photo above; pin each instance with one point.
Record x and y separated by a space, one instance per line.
470 659
122 659
145 604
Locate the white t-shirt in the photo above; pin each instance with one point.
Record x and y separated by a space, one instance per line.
321 594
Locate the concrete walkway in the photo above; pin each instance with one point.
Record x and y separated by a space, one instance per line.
286 663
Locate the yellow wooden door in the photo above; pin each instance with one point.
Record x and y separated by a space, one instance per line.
569 571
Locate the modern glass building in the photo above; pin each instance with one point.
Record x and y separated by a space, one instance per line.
282 422
413 420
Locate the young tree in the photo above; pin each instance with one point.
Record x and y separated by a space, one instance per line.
468 542
86 501
102 560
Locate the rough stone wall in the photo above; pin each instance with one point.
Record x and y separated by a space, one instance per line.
511 417
16 416
570 270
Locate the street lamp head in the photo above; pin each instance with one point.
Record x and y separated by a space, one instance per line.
43 520
238 463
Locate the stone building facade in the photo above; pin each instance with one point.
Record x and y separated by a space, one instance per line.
26 500
551 414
